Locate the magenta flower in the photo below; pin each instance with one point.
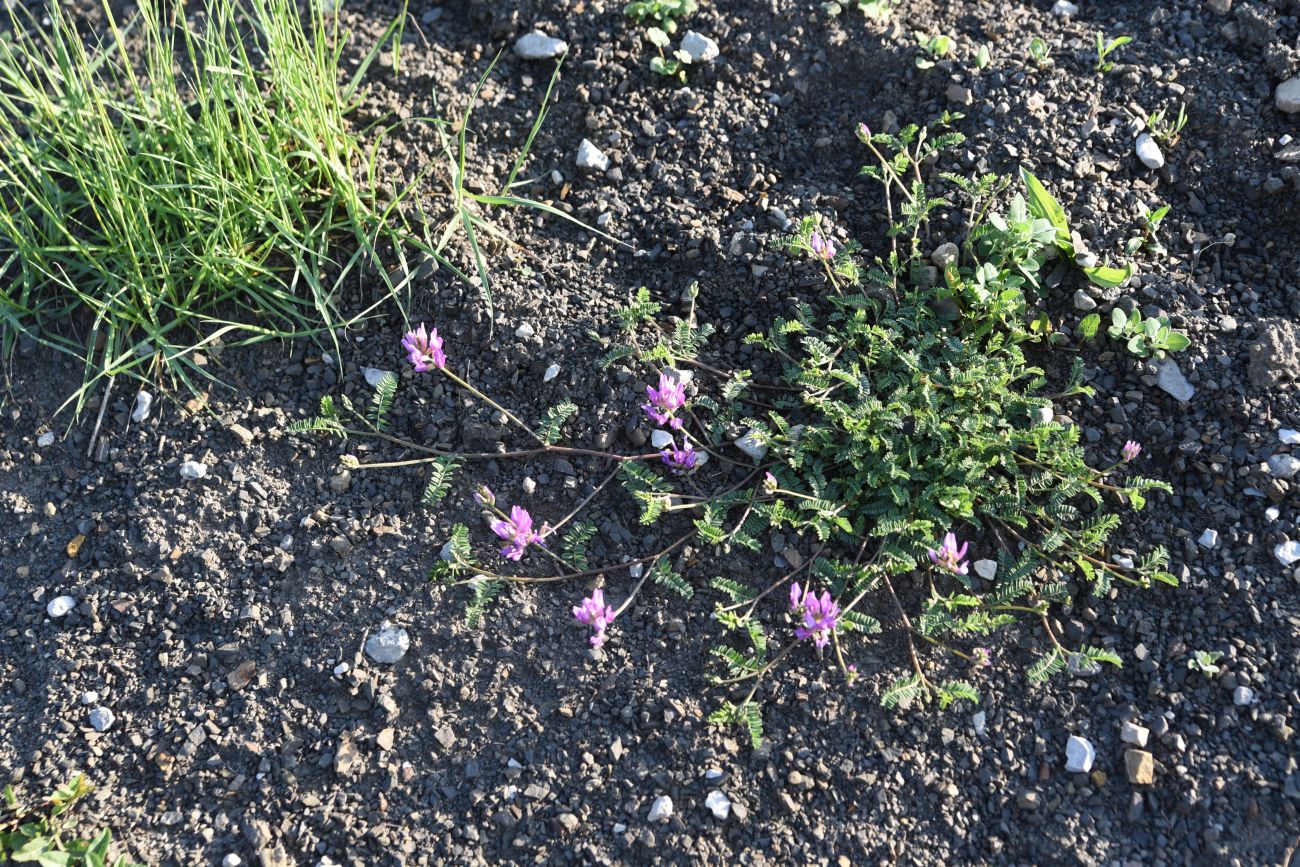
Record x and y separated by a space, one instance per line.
679 460
665 400
424 349
595 613
1131 450
864 132
484 496
981 657
948 556
518 532
820 614
822 248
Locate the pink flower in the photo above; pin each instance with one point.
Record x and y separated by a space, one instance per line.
948 556
665 400
424 349
595 613
1131 450
822 248
820 614
518 532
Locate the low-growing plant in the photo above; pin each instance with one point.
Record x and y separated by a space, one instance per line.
1151 221
183 192
933 49
1146 336
1039 52
40 835
660 19
906 449
1104 48
1206 662
876 10
983 57
1165 130
1044 205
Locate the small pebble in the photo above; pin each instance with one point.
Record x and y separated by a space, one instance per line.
45 440
661 809
718 803
192 470
1064 9
101 719
1132 733
1079 755
143 402
1209 538
699 48
89 697
231 860
60 606
591 157
538 46
388 645
1149 152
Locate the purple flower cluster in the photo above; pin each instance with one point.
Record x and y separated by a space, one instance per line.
517 532
1131 450
981 657
595 613
820 614
680 460
821 247
665 400
948 556
424 349
484 496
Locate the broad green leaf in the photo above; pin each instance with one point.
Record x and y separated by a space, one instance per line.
1108 277
1044 205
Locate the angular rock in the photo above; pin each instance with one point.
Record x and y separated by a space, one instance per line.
45 440
718 803
1287 552
101 719
374 376
551 372
591 157
1209 538
661 809
193 470
752 446
1287 95
538 46
661 439
143 402
1283 466
1149 152
1140 767
699 48
1064 9
1132 733
1171 380
986 569
1275 355
1243 696
1079 755
388 645
1084 301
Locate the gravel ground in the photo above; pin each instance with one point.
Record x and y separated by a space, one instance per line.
221 620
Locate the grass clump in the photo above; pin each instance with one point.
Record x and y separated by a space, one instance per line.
179 184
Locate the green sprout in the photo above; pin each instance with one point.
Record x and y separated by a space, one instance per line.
1206 662
933 48
1164 130
1104 49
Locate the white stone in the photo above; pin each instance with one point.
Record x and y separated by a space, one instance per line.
388 645
1289 437
1209 538
231 860
1079 755
1243 696
143 403
750 445
341 669
681 377
1283 466
591 157
525 331
101 719
45 440
661 809
986 569
1134 734
191 470
374 376
1084 301
1287 95
89 697
713 774
661 439
1149 152
1287 552
1272 513
1045 415
1122 561
619 827
60 606
699 48
944 253
980 722
1064 9
538 46
718 803
551 372
1172 381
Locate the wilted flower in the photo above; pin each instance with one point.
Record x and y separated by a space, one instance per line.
424 349
595 613
1130 451
981 658
665 400
949 556
770 484
679 460
484 496
822 248
518 532
821 614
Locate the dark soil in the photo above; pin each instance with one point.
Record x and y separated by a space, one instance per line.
212 614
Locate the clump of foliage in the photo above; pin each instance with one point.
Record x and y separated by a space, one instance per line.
907 449
179 193
1039 52
1166 130
661 19
875 10
933 49
40 835
1104 49
1206 662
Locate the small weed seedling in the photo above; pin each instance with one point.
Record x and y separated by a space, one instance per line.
983 57
876 10
1039 53
1151 221
1164 130
1043 204
661 19
933 49
1206 662
1144 337
1104 49
39 835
